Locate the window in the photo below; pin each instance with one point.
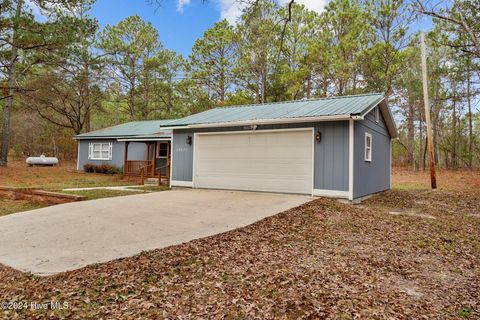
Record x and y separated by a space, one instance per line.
368 147
100 151
162 150
377 114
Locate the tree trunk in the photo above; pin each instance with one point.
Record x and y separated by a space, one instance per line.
222 78
131 100
435 116
7 109
87 100
470 123
264 85
410 133
454 129
222 88
420 147
309 86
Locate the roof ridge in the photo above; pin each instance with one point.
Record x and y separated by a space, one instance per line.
303 100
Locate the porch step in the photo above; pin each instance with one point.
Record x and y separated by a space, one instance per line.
151 182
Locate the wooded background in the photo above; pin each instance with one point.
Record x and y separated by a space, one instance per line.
64 75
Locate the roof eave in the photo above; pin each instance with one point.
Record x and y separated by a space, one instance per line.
387 115
261 122
145 139
120 137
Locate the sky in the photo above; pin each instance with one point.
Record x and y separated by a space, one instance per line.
179 22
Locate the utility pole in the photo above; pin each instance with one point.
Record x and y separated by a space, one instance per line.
433 177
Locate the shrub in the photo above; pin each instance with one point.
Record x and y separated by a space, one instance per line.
88 167
102 168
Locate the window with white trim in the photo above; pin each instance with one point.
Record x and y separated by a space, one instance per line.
100 151
162 150
368 147
377 114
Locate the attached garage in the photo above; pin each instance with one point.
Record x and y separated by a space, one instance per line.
267 160
335 147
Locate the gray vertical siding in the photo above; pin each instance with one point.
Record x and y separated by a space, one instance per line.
374 176
330 155
117 153
182 156
136 151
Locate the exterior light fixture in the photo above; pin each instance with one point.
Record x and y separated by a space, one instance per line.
189 140
318 136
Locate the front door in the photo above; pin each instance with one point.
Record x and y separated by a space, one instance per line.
163 157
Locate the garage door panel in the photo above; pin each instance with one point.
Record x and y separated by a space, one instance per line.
271 183
265 161
250 165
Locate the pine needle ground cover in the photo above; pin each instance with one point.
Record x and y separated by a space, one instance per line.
405 254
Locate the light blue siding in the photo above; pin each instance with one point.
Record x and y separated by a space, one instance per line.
136 151
371 177
182 156
330 155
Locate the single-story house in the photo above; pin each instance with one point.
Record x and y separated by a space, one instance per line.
335 147
130 146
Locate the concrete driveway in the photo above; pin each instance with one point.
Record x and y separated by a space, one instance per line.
69 236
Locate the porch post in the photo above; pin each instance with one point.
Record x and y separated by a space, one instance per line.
125 158
167 167
147 156
154 155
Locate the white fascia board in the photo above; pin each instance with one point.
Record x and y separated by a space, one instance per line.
175 127
98 138
146 139
261 122
387 116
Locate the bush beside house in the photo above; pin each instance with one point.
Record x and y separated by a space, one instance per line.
102 168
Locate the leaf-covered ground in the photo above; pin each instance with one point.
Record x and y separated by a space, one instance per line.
405 254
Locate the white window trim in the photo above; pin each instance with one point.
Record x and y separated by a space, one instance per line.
368 159
158 150
91 155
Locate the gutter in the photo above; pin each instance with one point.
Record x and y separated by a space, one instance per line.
122 138
145 139
261 122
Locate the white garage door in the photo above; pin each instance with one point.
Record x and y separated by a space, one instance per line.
276 161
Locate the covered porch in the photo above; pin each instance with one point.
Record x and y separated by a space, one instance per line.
156 163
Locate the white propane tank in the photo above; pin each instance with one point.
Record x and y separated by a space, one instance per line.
42 161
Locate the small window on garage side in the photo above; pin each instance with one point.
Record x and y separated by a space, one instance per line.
368 147
162 150
377 114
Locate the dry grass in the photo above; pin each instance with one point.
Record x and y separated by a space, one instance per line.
409 253
8 206
18 174
405 179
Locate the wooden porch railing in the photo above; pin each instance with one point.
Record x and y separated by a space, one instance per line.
146 171
167 173
133 167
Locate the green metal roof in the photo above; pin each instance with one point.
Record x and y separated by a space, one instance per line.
355 105
134 129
